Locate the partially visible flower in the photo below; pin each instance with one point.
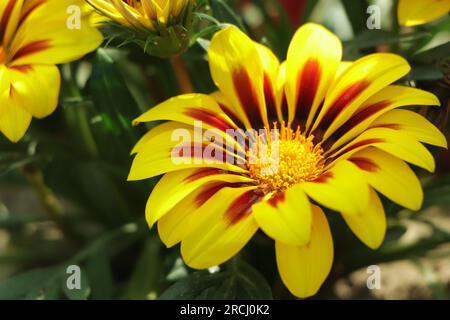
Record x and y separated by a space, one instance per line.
35 35
415 12
159 25
342 139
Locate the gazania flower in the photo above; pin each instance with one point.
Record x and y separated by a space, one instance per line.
415 12
161 27
34 36
342 140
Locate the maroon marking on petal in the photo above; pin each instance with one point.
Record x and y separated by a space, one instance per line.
241 207
394 126
247 95
32 48
208 192
284 107
308 84
342 102
23 68
358 118
209 118
359 144
5 18
231 115
277 198
365 164
201 173
324 177
196 149
27 13
271 105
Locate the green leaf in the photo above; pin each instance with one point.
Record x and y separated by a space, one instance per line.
239 280
145 278
33 284
224 13
100 276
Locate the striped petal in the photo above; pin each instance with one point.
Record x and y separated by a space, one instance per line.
303 269
178 146
238 72
335 190
369 225
385 100
286 217
390 176
45 38
312 61
357 83
220 228
10 11
412 13
392 141
175 186
414 125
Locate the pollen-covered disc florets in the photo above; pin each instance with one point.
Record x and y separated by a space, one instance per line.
284 158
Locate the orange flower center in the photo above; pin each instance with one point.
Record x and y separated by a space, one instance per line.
284 158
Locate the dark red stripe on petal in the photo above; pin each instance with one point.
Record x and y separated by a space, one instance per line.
23 68
30 10
241 207
32 48
358 118
5 18
394 126
209 118
270 99
308 84
203 172
359 144
231 115
276 199
248 97
208 192
324 177
343 101
364 164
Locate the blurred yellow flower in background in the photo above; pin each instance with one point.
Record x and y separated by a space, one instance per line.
341 137
35 35
416 12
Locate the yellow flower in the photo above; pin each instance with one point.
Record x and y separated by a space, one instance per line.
415 12
34 36
341 137
142 14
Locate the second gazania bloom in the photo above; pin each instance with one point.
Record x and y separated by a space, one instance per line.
343 141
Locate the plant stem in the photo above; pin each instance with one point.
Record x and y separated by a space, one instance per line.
55 211
181 73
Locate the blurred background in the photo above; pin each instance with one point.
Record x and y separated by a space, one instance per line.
64 199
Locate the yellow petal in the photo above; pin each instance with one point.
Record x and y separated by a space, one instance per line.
36 88
14 120
220 228
286 217
383 101
369 225
392 141
237 70
356 84
343 188
10 11
175 186
415 12
390 176
414 125
303 269
312 61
